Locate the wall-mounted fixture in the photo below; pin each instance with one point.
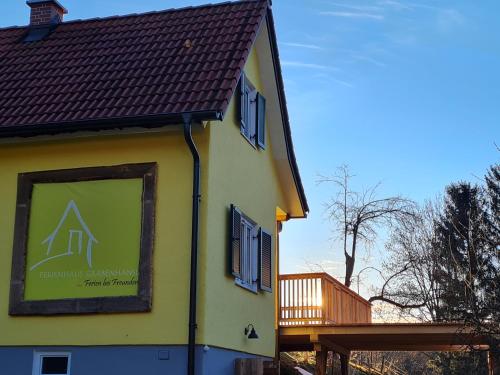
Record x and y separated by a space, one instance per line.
250 332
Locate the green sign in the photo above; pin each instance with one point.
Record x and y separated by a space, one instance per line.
84 239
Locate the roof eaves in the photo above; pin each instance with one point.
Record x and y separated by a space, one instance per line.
284 112
147 122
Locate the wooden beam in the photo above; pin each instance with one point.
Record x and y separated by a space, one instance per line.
377 329
324 341
380 337
282 216
400 347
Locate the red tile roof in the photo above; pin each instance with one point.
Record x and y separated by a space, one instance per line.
136 66
144 70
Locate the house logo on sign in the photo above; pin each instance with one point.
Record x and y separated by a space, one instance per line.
82 234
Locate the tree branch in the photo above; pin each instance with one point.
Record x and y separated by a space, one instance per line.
397 304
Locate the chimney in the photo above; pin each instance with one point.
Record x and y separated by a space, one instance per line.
45 12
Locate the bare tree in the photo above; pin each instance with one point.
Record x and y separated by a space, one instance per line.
412 265
359 215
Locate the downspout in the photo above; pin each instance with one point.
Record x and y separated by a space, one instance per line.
187 118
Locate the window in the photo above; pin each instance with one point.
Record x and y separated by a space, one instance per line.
252 113
248 258
51 363
250 253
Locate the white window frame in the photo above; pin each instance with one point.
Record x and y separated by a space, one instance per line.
249 255
39 356
249 124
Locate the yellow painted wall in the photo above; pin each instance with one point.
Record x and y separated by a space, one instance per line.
168 321
242 175
232 172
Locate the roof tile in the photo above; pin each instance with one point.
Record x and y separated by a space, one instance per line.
173 61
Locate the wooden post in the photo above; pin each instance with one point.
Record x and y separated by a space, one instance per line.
332 364
491 363
321 357
344 364
249 366
324 315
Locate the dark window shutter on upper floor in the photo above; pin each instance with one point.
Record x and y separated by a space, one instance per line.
265 260
261 121
235 242
243 101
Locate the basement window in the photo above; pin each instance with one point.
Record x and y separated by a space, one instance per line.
51 363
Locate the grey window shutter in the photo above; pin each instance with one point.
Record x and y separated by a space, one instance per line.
243 100
265 260
261 121
235 242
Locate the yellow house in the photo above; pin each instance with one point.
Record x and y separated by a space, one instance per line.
146 168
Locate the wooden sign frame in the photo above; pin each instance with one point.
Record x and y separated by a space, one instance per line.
142 302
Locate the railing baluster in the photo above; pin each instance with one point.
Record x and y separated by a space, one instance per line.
283 283
300 293
295 298
315 300
284 293
306 298
287 299
304 288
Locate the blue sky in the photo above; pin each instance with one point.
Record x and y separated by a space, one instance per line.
404 91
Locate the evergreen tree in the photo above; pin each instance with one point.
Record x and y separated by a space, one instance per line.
492 296
461 242
467 242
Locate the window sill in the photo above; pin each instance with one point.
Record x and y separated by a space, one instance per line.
242 284
252 143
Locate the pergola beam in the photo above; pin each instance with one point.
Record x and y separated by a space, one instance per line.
381 337
376 329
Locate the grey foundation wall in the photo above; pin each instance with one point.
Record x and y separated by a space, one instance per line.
124 360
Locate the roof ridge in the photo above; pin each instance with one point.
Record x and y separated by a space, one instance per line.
130 15
13 27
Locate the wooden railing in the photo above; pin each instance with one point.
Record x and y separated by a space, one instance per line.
317 298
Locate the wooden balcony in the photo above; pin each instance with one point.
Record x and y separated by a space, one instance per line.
317 298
